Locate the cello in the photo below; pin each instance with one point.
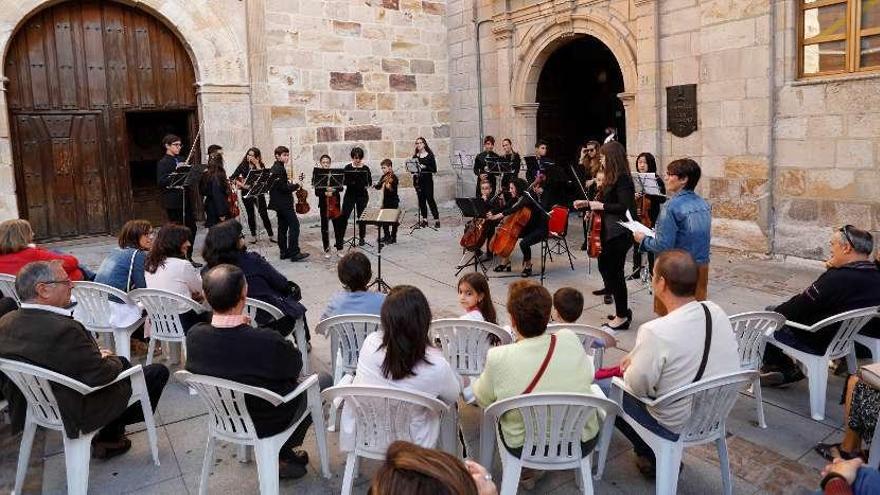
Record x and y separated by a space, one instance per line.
507 234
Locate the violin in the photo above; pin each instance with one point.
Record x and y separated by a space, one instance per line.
594 239
643 208
232 201
302 205
333 209
507 234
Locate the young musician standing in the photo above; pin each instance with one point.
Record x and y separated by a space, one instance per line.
253 160
533 167
646 163
326 196
173 198
390 199
281 200
480 163
590 168
618 195
511 157
425 190
356 196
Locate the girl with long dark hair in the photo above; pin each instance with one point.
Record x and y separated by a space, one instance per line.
618 193
475 298
253 160
215 189
645 164
425 187
167 268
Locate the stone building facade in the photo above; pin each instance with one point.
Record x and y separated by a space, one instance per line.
785 157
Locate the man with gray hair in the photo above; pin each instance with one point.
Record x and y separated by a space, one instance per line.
43 332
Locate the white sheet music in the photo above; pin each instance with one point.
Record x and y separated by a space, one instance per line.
636 226
648 181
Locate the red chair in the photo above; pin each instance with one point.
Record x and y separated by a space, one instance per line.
557 230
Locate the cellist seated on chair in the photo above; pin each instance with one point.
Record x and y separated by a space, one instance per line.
44 333
533 231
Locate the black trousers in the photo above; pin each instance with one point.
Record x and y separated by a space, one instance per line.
425 194
176 215
299 434
529 239
637 259
260 203
611 263
156 376
288 232
357 205
338 230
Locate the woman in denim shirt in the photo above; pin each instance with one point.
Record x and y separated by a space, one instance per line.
685 222
123 268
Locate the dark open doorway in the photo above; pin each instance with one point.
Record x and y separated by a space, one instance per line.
145 132
577 97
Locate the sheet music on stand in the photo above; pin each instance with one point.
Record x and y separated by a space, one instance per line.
381 216
357 177
414 166
178 178
472 207
257 182
328 178
648 182
636 226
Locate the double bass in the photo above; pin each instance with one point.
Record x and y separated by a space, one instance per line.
507 234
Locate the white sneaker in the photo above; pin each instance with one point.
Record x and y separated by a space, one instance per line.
339 253
253 239
327 253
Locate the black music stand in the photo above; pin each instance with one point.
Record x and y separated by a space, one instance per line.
180 179
256 183
380 218
416 168
471 208
358 178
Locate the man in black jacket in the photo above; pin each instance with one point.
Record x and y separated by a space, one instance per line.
852 281
231 349
281 200
45 334
173 197
357 179
481 161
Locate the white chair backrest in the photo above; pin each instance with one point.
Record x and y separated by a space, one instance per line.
384 415
751 331
35 384
850 323
228 416
465 343
554 422
587 334
93 305
163 311
251 307
347 334
711 401
7 287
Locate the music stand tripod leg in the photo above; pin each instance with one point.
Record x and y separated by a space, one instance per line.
380 284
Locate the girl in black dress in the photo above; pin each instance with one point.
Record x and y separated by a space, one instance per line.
215 189
646 163
425 187
253 160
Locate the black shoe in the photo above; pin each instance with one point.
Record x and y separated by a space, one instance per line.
646 466
105 449
487 257
290 470
629 314
424 223
781 378
636 274
285 256
272 239
297 456
622 326
585 246
502 268
299 256
527 272
607 299
436 224
392 240
600 292
361 242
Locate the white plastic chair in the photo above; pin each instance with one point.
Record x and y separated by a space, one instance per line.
7 287
163 312
230 421
347 334
711 401
383 416
94 309
297 336
850 322
587 334
465 343
872 343
751 331
35 384
554 423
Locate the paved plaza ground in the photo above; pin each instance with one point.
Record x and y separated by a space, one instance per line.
776 460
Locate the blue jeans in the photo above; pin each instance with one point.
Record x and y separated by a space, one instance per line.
636 410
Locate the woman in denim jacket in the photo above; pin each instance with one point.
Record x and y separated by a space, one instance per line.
123 268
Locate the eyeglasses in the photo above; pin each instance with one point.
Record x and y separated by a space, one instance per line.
67 282
845 230
591 150
176 144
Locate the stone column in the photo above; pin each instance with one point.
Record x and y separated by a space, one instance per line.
258 63
226 118
632 124
8 201
525 126
503 31
649 130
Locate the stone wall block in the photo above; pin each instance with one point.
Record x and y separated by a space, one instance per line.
433 8
363 133
863 125
391 4
855 153
344 28
829 126
319 117
803 210
346 81
395 65
831 184
288 116
420 67
328 134
386 101
402 82
365 101
791 128
838 213
746 167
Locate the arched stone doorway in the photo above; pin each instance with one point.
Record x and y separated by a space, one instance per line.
577 97
92 86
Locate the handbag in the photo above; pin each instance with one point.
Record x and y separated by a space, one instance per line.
543 367
128 284
707 344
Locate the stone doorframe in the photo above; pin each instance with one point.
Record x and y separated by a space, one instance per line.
523 49
219 62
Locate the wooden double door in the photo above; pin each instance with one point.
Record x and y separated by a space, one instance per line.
77 71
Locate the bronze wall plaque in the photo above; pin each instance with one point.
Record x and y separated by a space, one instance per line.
681 109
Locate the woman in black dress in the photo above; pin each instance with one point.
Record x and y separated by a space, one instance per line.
215 189
425 186
645 164
253 160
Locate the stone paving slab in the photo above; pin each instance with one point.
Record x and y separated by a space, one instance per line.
776 460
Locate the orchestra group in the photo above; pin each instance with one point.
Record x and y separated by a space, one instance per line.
514 210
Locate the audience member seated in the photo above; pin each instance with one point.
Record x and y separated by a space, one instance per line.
670 352
167 268
123 268
851 477
17 249
43 333
519 368
409 468
225 244
568 306
852 281
354 272
401 356
861 408
228 347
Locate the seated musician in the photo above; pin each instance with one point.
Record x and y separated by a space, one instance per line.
494 204
535 230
